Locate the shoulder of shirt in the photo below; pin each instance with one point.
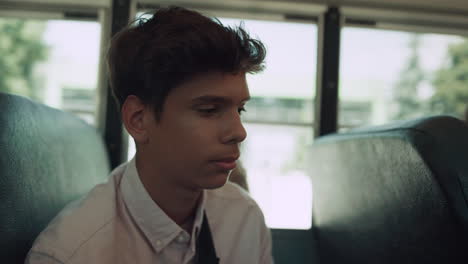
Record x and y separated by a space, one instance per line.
233 192
80 221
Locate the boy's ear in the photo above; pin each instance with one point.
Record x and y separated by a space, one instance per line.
133 118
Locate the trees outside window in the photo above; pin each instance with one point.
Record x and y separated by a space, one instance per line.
451 83
21 48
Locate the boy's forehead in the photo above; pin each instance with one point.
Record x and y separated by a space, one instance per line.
215 87
217 99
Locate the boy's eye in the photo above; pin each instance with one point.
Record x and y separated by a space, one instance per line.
208 110
241 109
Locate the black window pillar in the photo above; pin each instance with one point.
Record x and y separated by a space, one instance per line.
326 100
113 134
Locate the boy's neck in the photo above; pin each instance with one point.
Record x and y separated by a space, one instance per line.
179 203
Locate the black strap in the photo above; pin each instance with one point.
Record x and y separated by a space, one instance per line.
206 252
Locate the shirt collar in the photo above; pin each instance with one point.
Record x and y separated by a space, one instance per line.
157 226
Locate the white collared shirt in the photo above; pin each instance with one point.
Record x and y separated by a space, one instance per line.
118 222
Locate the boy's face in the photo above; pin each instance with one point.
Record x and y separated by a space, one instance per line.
196 141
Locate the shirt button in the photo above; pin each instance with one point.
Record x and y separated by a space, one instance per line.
158 242
182 238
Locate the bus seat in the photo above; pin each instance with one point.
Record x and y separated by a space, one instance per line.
392 194
47 158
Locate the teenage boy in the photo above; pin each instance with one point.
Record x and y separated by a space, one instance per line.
179 79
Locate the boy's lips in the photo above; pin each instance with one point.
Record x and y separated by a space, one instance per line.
227 163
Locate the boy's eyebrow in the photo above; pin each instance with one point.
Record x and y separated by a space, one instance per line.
215 99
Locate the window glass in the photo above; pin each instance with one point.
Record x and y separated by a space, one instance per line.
279 122
275 158
391 75
51 61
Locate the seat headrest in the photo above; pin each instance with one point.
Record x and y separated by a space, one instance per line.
47 158
392 194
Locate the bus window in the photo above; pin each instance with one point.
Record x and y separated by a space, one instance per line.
279 122
393 75
51 61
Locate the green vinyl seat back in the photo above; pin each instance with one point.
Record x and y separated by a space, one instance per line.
47 159
392 194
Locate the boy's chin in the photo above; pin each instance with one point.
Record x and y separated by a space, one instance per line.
215 181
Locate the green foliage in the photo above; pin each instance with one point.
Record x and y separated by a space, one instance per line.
451 83
409 106
21 48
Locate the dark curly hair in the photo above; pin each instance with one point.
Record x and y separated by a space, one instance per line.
157 54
